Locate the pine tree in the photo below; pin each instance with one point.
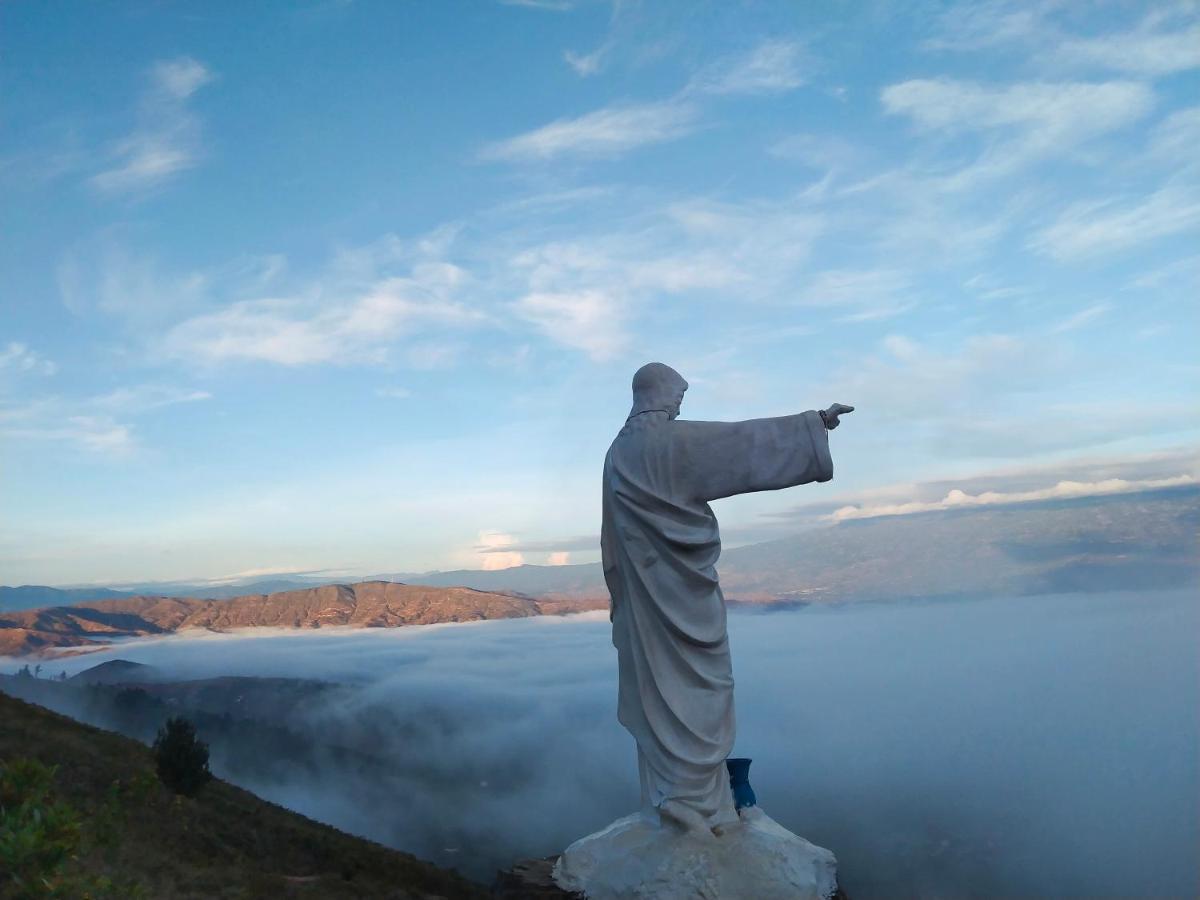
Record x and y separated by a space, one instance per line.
181 758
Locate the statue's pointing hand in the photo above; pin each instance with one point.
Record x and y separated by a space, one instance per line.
830 416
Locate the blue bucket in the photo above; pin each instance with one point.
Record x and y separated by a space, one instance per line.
739 781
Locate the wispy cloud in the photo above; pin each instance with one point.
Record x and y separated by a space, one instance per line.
1089 228
584 292
146 397
607 132
98 434
933 393
771 67
1154 48
559 545
588 64
16 357
1164 41
1175 139
1048 115
548 5
774 66
1082 318
975 26
97 424
393 393
167 139
296 332
868 294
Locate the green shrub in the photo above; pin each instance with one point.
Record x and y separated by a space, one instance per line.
181 758
38 834
42 839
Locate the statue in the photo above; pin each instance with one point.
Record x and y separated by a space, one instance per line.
660 544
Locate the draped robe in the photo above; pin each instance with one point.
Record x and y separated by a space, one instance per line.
660 545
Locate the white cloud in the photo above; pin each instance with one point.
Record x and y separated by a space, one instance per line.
938 393
1087 229
104 274
1081 318
586 292
549 5
1051 114
1013 126
587 64
607 132
588 320
17 357
167 139
295 332
180 78
92 423
393 393
1176 138
817 151
1147 50
559 558
973 26
491 553
957 499
774 66
1165 41
146 397
97 434
867 295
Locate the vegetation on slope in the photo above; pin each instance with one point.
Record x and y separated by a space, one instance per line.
223 843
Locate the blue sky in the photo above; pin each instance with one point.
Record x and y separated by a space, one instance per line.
359 287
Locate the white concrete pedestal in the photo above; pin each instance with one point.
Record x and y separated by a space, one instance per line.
755 859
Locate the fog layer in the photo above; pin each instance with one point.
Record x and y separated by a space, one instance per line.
1041 746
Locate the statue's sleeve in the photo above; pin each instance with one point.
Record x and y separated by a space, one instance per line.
720 459
608 552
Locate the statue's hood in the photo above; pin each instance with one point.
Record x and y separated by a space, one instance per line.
655 389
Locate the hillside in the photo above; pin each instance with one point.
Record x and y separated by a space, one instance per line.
365 605
225 843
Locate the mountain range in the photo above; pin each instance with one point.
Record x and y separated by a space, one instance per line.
371 604
1142 541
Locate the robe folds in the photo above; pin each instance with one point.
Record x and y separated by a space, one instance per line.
660 544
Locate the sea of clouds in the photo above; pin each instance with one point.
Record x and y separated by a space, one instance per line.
1036 746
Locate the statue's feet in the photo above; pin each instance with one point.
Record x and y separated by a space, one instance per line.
678 815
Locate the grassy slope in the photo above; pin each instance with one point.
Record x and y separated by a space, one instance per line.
225 843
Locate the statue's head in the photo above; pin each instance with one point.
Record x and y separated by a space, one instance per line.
657 387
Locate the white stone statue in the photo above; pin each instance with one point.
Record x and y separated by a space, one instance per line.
660 545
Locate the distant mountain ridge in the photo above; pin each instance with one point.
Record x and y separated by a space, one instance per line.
366 605
1143 541
1134 541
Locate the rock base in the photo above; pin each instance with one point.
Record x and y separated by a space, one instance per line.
531 879
754 859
